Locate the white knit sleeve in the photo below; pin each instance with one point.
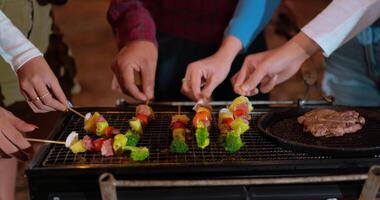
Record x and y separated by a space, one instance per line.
340 21
15 48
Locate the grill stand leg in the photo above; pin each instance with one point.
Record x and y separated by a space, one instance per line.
107 187
372 184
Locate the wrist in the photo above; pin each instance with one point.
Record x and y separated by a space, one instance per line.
229 48
309 46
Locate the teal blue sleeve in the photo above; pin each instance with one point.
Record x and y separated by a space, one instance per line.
249 19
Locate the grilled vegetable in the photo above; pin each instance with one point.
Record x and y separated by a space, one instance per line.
233 142
90 122
241 100
240 125
101 127
132 138
98 143
78 147
203 115
143 119
138 153
135 125
71 139
202 137
119 143
179 146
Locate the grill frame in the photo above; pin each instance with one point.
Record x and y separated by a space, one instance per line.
332 165
46 182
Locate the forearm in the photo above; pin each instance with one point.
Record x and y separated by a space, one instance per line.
249 19
15 48
306 43
131 21
340 22
229 48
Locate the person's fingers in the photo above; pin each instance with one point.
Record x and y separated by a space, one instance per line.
32 98
15 137
6 145
269 84
233 79
209 88
148 82
251 93
240 77
20 124
115 84
59 94
128 85
186 85
254 79
47 99
196 79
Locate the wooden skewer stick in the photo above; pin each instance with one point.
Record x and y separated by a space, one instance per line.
76 112
147 102
179 109
44 141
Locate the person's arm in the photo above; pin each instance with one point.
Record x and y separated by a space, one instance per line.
335 25
340 21
131 21
249 19
36 79
14 47
135 32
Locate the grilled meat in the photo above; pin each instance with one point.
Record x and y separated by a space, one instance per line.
331 123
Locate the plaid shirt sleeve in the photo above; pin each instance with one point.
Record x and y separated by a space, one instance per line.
130 20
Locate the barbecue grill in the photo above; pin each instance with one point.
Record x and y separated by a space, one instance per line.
56 173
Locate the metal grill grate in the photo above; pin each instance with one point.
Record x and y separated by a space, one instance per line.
157 136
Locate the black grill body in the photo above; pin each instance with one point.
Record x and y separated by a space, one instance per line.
56 172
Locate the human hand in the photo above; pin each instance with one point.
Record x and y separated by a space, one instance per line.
36 82
11 138
203 76
271 67
141 57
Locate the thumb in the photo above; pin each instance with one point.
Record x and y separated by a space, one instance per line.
253 80
115 84
19 124
209 88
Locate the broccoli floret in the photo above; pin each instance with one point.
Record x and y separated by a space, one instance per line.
201 135
233 142
179 146
133 138
138 153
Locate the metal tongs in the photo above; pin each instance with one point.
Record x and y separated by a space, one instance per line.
310 79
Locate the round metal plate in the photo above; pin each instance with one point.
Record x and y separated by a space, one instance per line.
282 126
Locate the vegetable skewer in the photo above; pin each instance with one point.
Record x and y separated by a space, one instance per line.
202 122
233 122
107 147
178 126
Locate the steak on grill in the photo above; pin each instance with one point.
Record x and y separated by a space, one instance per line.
331 123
